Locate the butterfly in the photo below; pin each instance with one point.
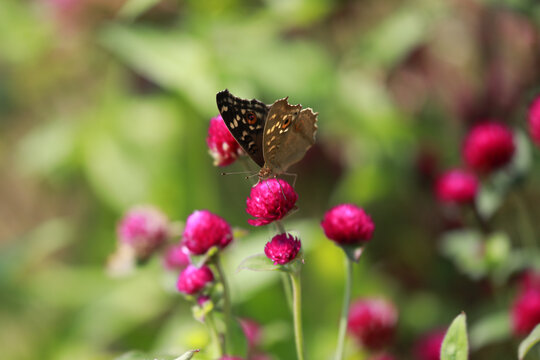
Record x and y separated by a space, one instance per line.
274 136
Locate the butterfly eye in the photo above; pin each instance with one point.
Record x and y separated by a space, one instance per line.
286 122
251 118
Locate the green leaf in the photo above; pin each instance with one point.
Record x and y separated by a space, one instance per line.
134 8
455 345
529 342
138 355
258 262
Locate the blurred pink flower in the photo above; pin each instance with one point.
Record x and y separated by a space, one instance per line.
456 186
525 312
176 257
488 146
282 249
252 330
270 200
530 280
534 120
372 321
204 230
428 346
194 279
347 224
222 146
144 228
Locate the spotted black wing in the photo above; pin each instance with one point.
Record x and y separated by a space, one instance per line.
245 120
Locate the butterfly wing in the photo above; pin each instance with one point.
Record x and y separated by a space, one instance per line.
245 120
288 134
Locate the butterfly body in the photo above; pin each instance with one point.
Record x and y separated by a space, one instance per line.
274 136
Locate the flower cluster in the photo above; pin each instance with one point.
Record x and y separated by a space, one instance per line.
525 312
222 146
456 186
347 224
204 230
282 249
372 321
193 279
270 200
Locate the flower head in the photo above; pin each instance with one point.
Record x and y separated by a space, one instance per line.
252 330
176 257
270 200
347 224
534 120
144 228
428 347
204 230
372 322
222 146
194 279
456 186
488 146
525 312
282 249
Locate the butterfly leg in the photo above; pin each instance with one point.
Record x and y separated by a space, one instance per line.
294 176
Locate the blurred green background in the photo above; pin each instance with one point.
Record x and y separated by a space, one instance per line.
105 104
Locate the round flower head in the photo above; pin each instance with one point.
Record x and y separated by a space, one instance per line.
488 146
347 224
204 230
534 120
144 228
525 312
372 322
456 186
194 279
222 146
282 249
270 200
428 347
176 257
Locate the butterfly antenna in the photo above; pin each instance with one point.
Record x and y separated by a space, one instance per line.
236 173
281 187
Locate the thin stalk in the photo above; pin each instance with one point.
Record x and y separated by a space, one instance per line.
287 289
214 335
280 227
226 298
526 224
297 314
345 309
484 226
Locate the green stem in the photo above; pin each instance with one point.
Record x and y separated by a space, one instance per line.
226 298
280 227
526 224
345 309
214 335
297 314
287 289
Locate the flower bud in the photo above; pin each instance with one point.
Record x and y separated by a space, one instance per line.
270 200
194 279
456 186
372 322
347 224
204 230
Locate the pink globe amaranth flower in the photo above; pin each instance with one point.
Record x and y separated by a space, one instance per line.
176 257
144 228
428 346
204 230
252 330
222 146
534 121
347 224
282 249
456 186
372 321
530 280
194 279
270 200
488 146
525 312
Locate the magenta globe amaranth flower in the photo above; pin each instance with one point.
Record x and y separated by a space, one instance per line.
270 200
194 279
252 330
176 257
144 228
534 121
204 230
488 146
428 346
456 186
282 249
372 322
347 224
222 146
525 312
